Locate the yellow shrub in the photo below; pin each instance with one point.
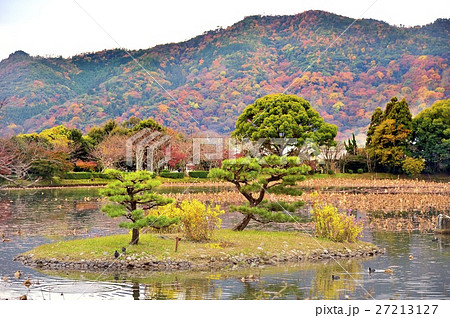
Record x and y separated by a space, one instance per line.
198 221
335 226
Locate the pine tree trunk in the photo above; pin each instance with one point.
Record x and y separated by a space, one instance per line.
135 237
240 226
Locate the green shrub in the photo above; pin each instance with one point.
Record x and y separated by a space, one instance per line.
360 171
100 175
350 171
78 175
330 171
56 180
335 226
198 174
172 175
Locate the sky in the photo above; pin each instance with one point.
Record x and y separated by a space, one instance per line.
69 27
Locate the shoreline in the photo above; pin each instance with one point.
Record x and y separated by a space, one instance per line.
98 185
208 263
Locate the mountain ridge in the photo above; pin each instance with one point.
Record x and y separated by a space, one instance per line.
213 76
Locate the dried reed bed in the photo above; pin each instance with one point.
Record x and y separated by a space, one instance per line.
396 224
378 185
391 204
395 203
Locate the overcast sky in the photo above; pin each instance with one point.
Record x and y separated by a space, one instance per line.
64 27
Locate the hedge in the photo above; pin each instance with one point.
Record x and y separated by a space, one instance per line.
85 175
78 175
100 175
172 175
198 174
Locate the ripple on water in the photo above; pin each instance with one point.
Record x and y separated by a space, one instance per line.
79 287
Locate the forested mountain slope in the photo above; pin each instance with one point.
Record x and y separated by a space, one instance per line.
215 75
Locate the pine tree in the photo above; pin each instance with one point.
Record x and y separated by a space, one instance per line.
254 178
133 193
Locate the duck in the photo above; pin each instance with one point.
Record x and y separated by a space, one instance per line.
411 257
335 277
27 283
18 274
249 278
124 250
4 239
434 239
372 270
116 254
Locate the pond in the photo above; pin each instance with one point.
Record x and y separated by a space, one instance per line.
32 217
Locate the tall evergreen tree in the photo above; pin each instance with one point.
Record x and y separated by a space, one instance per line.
400 113
377 118
389 106
387 141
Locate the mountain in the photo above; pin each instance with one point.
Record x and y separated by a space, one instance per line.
212 77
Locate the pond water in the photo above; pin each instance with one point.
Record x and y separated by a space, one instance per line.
32 217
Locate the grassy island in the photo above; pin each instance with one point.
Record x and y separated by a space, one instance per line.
228 249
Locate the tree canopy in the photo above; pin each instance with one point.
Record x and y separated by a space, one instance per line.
431 137
283 116
388 144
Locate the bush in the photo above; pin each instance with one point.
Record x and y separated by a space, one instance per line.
350 171
172 175
413 167
335 226
197 221
56 180
100 175
78 175
198 174
360 171
330 171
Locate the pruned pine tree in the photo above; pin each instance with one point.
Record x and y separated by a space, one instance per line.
255 177
133 194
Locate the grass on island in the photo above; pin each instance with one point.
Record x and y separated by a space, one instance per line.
226 243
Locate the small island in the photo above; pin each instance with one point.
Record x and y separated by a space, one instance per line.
228 250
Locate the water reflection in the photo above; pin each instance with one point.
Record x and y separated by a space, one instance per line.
349 275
